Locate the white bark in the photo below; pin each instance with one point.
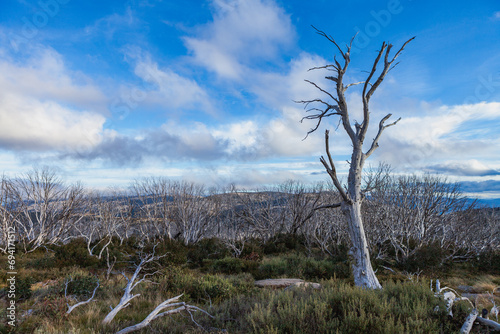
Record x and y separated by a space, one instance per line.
172 302
155 314
489 323
362 270
336 105
71 308
469 322
132 283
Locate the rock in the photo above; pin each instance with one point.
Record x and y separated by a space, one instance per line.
278 283
304 285
288 283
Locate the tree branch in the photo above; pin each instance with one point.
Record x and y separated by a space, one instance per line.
71 308
322 33
330 168
381 128
367 93
328 206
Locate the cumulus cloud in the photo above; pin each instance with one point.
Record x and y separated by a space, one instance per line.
437 133
44 76
242 32
47 107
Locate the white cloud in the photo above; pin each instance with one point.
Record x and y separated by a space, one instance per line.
110 24
240 136
436 135
171 90
496 15
44 106
44 76
29 124
242 31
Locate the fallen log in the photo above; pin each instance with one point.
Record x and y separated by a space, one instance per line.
490 323
469 322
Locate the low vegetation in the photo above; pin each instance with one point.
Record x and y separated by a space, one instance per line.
49 282
76 251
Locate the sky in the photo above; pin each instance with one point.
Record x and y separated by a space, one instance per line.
205 91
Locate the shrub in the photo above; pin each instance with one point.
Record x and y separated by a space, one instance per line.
196 288
23 288
426 257
252 250
284 243
211 248
337 308
488 261
45 262
174 251
300 266
80 285
231 265
74 253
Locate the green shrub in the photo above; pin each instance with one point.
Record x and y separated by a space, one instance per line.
231 265
23 287
174 252
74 253
47 261
300 266
426 257
284 243
488 261
336 308
211 248
195 287
80 285
252 250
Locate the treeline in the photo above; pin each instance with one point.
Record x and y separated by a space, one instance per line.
407 218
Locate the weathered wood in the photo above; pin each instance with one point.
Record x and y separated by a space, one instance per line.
364 275
490 323
469 322
132 283
287 283
155 314
169 303
336 105
71 308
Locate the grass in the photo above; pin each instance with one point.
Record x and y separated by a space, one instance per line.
224 287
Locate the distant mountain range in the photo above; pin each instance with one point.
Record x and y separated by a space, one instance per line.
492 202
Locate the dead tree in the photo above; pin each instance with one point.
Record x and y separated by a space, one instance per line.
155 314
71 308
46 208
131 284
7 214
153 195
336 105
191 211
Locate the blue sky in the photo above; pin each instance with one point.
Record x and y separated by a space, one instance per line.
204 90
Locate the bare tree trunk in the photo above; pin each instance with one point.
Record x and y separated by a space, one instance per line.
336 105
362 270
